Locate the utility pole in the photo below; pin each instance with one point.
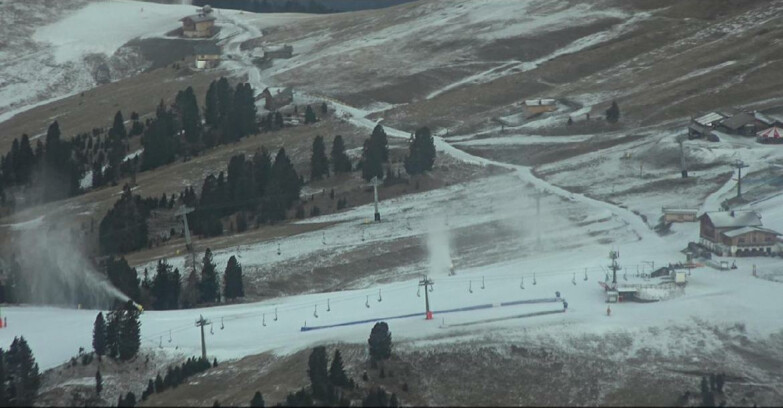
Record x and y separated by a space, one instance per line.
375 183
538 217
613 255
681 141
427 282
201 322
739 164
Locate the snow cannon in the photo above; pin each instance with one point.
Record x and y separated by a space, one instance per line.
138 306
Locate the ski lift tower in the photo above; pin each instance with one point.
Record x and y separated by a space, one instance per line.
375 183
183 212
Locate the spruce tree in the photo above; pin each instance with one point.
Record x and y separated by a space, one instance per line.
340 161
613 113
23 373
421 157
191 293
371 163
4 402
130 399
380 143
99 335
98 382
324 108
112 333
257 401
380 342
233 280
337 374
209 281
317 371
129 332
309 115
118 130
211 113
319 164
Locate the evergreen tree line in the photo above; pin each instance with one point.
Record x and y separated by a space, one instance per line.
176 376
19 375
270 6
257 186
330 386
119 335
375 153
58 166
166 290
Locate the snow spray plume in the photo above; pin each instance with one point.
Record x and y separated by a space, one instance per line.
54 270
439 246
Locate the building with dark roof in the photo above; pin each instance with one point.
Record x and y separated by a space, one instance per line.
737 233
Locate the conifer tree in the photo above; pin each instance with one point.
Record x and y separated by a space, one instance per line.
324 108
319 164
3 379
380 342
421 157
209 281
99 335
233 280
337 374
309 115
613 113
340 161
262 167
112 333
211 113
257 401
23 373
317 371
129 339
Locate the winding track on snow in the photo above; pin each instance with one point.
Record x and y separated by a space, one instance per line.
244 66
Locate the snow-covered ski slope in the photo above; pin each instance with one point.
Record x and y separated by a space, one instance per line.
712 296
577 233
